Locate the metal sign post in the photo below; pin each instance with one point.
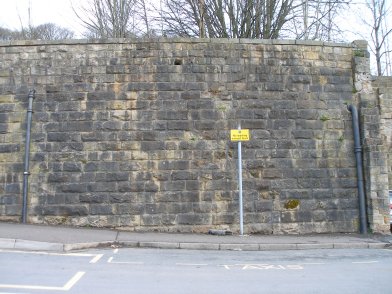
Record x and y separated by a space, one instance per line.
240 135
240 186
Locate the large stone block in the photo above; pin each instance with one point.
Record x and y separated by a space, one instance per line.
193 219
72 187
101 209
61 210
102 187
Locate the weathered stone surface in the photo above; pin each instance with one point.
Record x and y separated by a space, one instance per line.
121 137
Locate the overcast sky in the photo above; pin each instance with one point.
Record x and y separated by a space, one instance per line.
12 12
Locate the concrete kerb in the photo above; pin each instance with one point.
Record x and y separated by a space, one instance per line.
200 246
278 246
17 244
89 245
7 243
37 246
240 247
160 245
58 247
379 245
359 245
315 246
225 246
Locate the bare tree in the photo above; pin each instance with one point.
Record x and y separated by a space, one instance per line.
179 18
6 34
268 19
315 20
375 15
380 33
108 18
226 18
47 31
51 31
144 15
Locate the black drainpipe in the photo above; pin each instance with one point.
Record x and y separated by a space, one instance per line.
26 172
358 158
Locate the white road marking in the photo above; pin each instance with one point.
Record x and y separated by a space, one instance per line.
110 260
313 263
48 253
272 266
96 258
115 251
126 262
365 262
73 281
192 264
14 293
66 287
263 266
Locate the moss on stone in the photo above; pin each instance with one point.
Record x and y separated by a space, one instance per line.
292 203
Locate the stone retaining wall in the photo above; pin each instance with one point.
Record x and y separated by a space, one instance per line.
383 86
135 134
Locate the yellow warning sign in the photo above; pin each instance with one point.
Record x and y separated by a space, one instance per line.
239 135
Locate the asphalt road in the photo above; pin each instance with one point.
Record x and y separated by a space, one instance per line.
187 271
